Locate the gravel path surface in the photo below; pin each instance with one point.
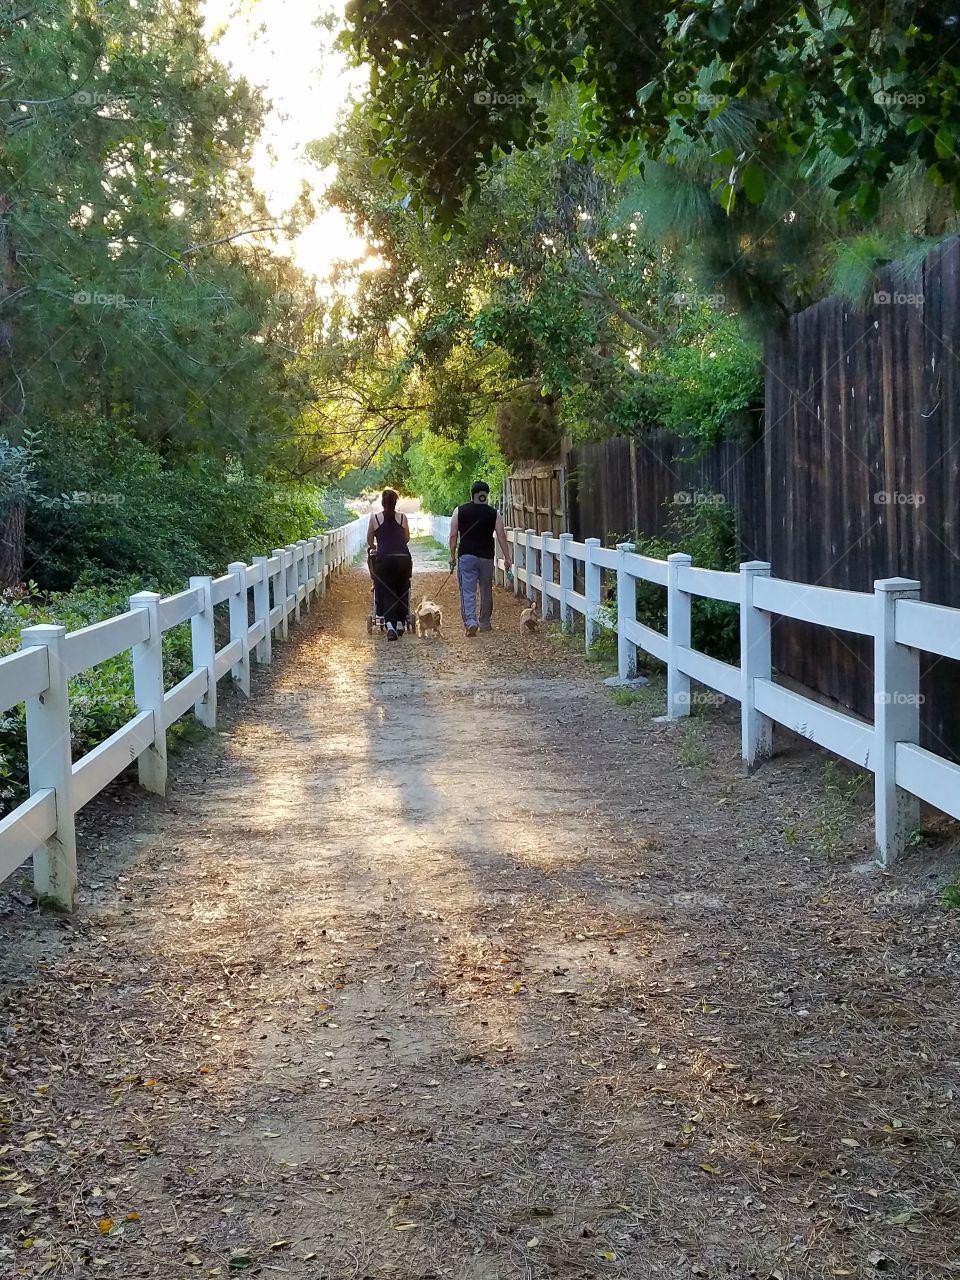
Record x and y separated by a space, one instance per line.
438 962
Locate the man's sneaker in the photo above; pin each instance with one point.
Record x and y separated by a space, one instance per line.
399 628
391 631
472 630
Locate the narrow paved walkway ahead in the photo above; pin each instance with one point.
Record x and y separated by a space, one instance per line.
438 963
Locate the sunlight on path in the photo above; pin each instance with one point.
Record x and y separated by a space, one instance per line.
439 964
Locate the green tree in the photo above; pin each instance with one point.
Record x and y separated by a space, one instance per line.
441 471
553 285
135 281
874 84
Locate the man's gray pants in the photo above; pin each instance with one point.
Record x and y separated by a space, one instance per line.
475 575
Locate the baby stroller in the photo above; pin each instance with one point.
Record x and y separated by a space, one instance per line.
376 620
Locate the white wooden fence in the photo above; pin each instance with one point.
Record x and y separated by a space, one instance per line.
282 585
893 615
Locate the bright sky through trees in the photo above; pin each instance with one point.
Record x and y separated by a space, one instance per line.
280 48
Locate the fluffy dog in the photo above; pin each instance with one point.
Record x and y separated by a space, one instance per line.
529 621
429 618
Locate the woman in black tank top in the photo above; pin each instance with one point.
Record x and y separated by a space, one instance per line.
391 564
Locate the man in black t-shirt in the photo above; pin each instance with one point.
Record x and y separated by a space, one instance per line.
474 525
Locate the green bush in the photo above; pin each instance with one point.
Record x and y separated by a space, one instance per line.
604 649
703 528
441 471
101 700
108 505
333 508
528 427
108 516
704 382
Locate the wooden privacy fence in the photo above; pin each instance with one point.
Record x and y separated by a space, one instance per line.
282 585
898 625
638 482
856 471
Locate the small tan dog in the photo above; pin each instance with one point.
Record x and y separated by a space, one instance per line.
529 621
429 618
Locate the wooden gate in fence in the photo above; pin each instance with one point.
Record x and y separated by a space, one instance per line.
535 497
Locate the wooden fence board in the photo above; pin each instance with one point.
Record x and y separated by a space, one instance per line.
855 477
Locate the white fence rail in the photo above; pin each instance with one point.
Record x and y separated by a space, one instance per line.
900 625
283 585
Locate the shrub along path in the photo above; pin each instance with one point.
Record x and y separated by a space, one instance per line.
438 962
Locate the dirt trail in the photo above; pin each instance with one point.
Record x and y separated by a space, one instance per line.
439 964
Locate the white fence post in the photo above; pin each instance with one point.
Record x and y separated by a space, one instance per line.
291 579
148 691
280 592
896 673
313 566
678 637
626 612
307 574
520 558
566 580
530 556
591 587
279 580
51 767
322 563
205 652
547 562
303 573
756 663
261 610
240 625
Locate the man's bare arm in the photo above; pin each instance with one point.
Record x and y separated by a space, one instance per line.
454 535
504 544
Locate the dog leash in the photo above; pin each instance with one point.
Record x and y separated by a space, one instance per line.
446 580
